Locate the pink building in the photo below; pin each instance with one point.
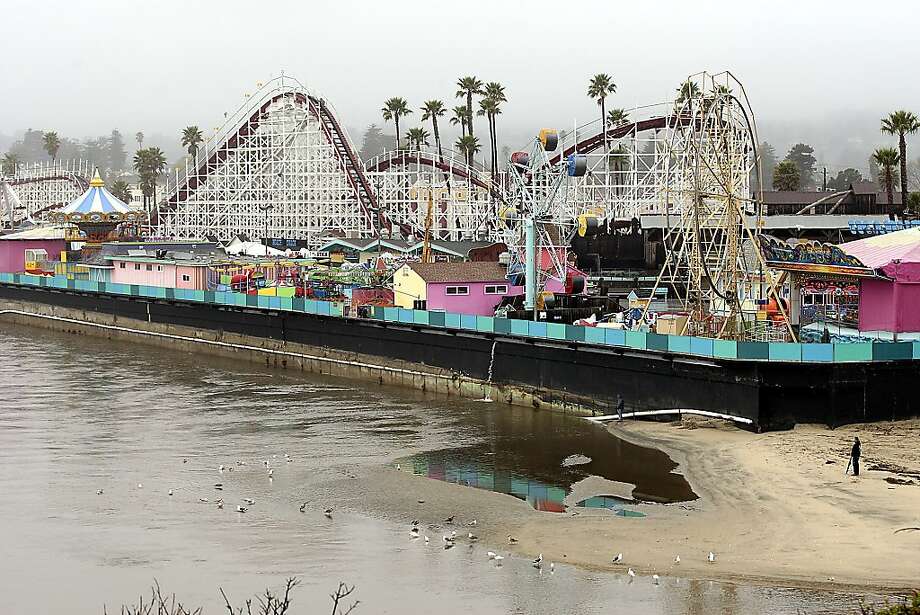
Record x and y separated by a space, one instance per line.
147 271
889 304
13 247
464 287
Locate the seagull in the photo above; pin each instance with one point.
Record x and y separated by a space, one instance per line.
448 545
472 536
414 532
185 461
448 539
270 473
472 523
170 492
656 578
221 468
303 507
538 562
328 513
631 573
265 462
249 501
491 554
450 519
552 568
240 462
397 466
618 559
498 560
415 522
712 557
512 540
98 491
140 485
426 540
220 505
240 509
677 559
204 500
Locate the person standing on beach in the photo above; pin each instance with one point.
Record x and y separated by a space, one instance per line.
619 407
854 456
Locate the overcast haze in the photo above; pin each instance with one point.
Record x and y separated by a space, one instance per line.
824 72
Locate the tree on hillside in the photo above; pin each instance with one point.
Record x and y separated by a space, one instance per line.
901 123
600 86
191 139
117 156
373 143
51 143
803 156
467 87
768 162
9 163
393 109
844 179
887 159
786 176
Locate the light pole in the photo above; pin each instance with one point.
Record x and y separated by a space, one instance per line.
266 208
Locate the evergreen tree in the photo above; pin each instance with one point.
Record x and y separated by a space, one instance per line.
803 157
117 155
373 143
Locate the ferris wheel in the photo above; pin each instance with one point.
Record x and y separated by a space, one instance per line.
539 221
711 214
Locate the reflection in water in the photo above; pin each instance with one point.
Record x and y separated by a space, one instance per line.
610 502
82 414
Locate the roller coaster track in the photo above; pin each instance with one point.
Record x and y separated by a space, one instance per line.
383 163
80 183
349 163
596 141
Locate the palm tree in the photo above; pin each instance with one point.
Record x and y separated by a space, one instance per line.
139 137
432 110
149 165
615 117
191 137
416 138
687 90
9 163
393 109
52 143
121 190
901 123
459 117
495 93
887 159
600 86
467 86
469 146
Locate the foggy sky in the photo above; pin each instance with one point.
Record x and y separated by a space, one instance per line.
812 70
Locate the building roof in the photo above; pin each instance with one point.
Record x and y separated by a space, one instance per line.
169 260
864 187
881 250
793 197
459 272
38 233
96 200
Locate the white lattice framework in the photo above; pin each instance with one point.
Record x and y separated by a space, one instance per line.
31 190
271 168
462 205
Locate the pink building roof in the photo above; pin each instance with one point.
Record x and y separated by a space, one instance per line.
881 250
439 273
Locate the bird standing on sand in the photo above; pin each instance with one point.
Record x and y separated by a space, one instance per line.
271 472
677 559
170 492
656 578
140 485
241 509
491 554
220 505
552 568
538 562
249 501
450 519
631 573
98 491
512 540
328 513
414 532
472 523
303 507
427 540
712 557
498 560
472 536
617 559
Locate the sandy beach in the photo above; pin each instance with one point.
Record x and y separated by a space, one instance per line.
775 508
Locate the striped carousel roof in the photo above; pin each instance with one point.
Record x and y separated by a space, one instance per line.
96 200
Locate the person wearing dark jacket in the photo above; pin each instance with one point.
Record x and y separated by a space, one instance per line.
854 456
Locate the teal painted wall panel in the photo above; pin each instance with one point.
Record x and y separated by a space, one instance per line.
818 352
337 308
468 321
725 349
390 314
614 337
536 329
679 343
555 331
892 351
406 316
753 350
636 339
286 303
852 352
655 341
451 320
485 324
436 319
501 325
575 333
421 317
322 308
274 303
783 351
917 350
701 346
595 335
520 327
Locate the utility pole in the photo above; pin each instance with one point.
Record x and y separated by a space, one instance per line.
824 188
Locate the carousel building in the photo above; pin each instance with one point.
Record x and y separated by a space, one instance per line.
99 215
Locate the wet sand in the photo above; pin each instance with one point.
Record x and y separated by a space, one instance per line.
771 508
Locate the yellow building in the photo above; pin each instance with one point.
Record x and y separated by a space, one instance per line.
408 287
